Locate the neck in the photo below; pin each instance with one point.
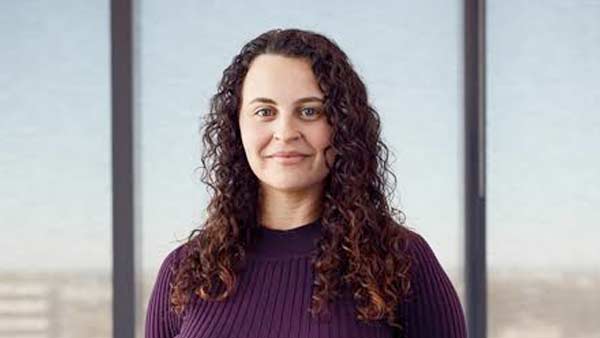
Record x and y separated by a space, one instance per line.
284 210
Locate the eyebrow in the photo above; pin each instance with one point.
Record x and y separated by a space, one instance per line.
302 100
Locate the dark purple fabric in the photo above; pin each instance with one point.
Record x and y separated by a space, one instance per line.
275 292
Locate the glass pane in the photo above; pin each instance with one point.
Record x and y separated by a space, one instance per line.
55 210
412 70
544 134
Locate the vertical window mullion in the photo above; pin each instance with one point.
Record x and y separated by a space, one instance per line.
123 279
475 171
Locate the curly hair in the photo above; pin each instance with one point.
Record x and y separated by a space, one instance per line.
363 246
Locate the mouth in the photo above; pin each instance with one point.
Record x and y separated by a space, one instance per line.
288 154
291 155
289 159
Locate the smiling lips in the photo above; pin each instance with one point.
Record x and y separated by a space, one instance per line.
289 157
287 154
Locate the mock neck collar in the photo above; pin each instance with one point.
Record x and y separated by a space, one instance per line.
275 243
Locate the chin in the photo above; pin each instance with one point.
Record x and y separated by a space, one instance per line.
290 187
286 185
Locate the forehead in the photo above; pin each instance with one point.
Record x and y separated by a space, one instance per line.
279 77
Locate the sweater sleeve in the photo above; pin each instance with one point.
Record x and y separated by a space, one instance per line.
433 309
161 321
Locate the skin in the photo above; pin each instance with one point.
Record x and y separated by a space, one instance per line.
290 194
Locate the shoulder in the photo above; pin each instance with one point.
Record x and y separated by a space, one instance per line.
426 272
172 259
426 264
161 321
418 247
435 310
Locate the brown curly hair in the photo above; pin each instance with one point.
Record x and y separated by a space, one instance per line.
363 247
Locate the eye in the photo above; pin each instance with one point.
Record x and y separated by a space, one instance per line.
314 111
260 110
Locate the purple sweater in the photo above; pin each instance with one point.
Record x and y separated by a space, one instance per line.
275 292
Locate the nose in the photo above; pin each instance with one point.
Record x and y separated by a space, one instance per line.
286 130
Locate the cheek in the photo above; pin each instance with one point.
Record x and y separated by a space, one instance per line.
321 137
254 139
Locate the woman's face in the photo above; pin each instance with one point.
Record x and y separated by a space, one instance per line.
282 111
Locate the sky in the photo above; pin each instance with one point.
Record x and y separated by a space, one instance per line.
543 122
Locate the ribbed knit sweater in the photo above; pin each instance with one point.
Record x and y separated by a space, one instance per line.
275 293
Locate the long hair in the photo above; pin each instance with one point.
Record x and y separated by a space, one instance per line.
363 247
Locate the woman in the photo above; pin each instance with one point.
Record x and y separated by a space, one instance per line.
300 240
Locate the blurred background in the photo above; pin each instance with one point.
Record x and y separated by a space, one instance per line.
543 129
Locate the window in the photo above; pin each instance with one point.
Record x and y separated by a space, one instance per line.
544 129
55 210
